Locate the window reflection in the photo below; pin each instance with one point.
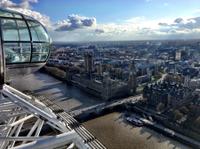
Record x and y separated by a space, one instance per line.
9 28
23 31
9 14
17 16
5 14
40 52
17 53
15 30
38 32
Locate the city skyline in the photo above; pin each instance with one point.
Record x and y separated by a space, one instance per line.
113 20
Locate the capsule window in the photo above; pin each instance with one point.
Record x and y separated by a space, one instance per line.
23 41
23 31
15 30
40 52
17 52
38 32
5 14
9 29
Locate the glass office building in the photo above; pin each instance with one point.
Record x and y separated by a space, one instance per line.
24 41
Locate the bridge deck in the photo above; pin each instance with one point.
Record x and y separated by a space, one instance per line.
72 123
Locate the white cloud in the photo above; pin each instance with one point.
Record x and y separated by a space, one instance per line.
136 28
180 23
7 3
74 22
26 3
99 31
25 7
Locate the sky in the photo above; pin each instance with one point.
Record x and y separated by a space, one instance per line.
110 20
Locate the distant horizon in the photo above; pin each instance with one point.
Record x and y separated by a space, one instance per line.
127 40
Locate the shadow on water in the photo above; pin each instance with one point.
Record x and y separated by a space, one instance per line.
43 84
71 91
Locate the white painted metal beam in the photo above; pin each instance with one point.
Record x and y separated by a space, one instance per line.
37 133
15 95
55 141
21 120
32 129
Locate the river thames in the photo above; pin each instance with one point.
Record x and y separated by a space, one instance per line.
114 133
110 129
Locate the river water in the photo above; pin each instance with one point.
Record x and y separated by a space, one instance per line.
114 133
109 129
68 97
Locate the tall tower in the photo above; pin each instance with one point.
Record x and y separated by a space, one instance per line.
132 82
99 69
178 55
187 81
88 57
107 87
